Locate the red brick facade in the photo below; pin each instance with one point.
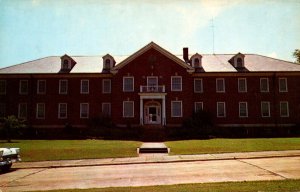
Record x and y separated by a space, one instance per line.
157 102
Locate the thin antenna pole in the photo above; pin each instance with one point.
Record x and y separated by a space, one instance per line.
213 35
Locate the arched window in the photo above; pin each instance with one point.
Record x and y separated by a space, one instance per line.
196 62
239 62
107 64
66 64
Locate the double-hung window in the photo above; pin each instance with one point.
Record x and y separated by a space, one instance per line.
283 85
198 86
242 85
40 110
265 109
106 86
243 109
284 109
41 86
221 111
62 110
84 110
23 88
128 84
176 83
63 86
198 106
176 108
264 85
220 85
128 109
84 87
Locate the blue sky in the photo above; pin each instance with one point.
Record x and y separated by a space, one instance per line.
31 29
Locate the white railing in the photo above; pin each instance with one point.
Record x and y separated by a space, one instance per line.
152 89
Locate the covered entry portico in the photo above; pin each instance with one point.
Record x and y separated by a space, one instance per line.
152 111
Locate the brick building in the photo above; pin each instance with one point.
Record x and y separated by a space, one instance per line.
153 87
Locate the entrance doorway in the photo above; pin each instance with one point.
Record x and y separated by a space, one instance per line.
152 113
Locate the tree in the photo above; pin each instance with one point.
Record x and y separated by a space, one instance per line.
10 123
296 54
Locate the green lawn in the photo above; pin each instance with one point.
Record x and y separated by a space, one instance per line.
41 150
272 186
232 145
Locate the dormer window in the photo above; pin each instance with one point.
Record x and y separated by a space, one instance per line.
66 64
239 62
108 63
196 61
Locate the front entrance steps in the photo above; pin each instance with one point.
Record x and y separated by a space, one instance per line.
150 147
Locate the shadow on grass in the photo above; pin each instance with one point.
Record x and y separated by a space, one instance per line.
9 142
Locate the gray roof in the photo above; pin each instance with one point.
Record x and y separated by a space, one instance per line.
52 64
94 64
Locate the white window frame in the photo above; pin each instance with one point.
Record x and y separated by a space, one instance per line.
223 84
81 112
3 82
124 82
261 109
20 87
19 111
240 103
245 80
218 115
126 115
37 111
195 106
267 80
38 91
172 79
59 111
195 88
288 110
103 86
286 86
81 86
109 109
172 107
59 88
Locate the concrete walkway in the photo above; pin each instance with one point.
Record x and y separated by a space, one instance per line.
155 158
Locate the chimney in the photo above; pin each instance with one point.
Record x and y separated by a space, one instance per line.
186 54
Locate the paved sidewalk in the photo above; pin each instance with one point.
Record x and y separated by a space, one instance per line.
155 158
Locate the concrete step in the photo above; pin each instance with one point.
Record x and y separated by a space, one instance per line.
153 148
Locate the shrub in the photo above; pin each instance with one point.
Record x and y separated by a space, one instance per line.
199 124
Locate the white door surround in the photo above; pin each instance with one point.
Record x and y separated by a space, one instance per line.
160 109
152 113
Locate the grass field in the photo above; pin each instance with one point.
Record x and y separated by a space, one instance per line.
41 150
232 145
271 186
